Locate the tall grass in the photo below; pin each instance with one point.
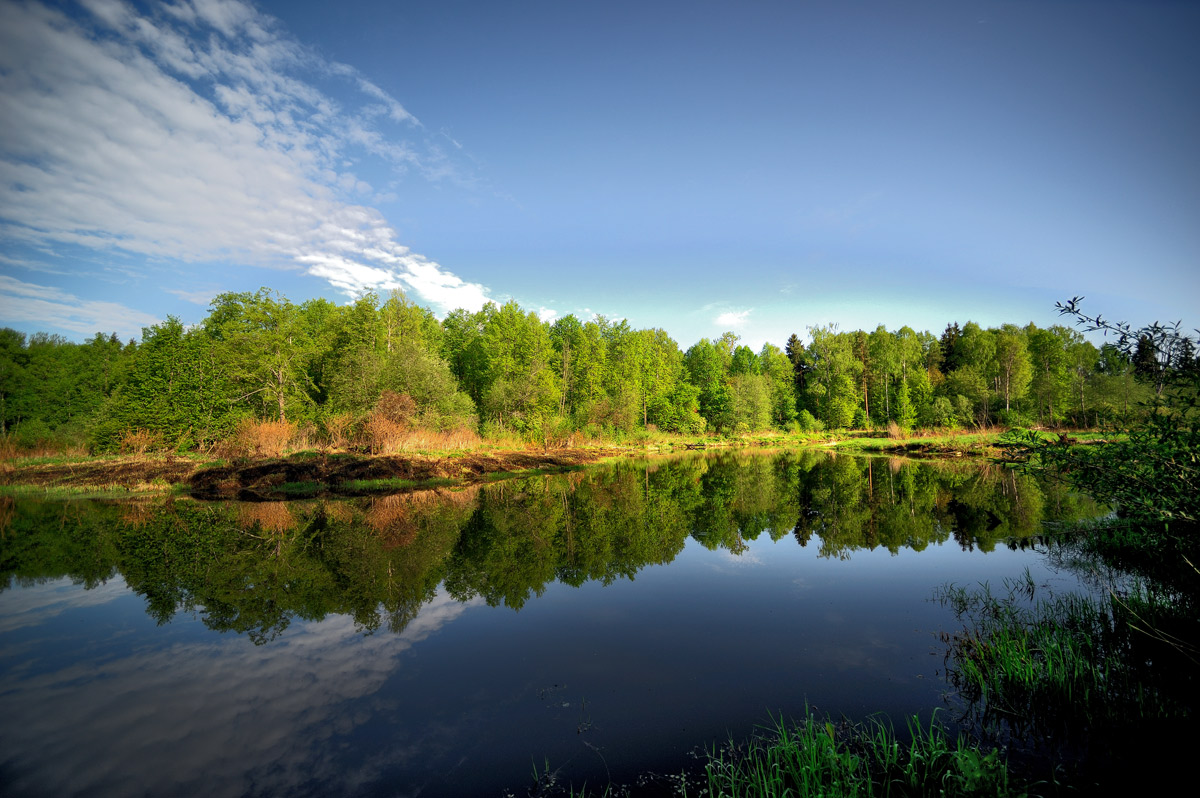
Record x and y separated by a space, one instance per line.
1077 679
816 758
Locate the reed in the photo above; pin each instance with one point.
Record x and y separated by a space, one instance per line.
815 757
1071 674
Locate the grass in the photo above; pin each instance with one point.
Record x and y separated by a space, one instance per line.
1084 682
301 488
55 492
394 483
815 757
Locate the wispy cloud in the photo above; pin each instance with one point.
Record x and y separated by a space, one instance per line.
35 303
196 132
202 298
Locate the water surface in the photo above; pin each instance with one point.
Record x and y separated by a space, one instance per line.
600 625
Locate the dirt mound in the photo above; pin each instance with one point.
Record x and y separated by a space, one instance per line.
337 475
307 474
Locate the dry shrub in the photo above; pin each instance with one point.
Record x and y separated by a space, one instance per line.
382 434
388 422
337 511
303 439
429 440
139 514
338 429
894 432
8 510
391 517
11 450
398 408
461 438
140 441
260 438
268 516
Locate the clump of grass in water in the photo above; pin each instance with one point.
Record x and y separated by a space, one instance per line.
1081 680
817 758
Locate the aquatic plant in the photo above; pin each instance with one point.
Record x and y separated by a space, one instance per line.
1072 681
816 757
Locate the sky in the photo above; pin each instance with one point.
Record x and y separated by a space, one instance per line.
695 166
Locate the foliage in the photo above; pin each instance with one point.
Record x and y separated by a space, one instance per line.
1152 472
503 371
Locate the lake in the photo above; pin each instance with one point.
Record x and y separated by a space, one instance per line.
599 626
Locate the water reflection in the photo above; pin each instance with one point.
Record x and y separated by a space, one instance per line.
253 568
376 650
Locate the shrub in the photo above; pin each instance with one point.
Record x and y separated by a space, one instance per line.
140 441
397 408
254 438
382 434
339 430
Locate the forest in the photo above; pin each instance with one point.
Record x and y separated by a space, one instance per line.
266 373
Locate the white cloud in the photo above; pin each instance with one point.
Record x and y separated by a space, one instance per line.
733 318
547 314
191 134
28 302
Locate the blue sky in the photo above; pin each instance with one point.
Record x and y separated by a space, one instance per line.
695 166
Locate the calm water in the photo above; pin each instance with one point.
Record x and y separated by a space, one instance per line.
604 624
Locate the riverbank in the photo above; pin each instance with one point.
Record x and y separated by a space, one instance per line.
303 474
326 473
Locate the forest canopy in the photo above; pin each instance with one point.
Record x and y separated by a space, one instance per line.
364 373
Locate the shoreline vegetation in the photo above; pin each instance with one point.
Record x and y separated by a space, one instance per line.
325 472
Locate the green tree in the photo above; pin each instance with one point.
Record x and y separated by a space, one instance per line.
176 385
521 388
266 348
1048 359
1014 367
706 370
778 370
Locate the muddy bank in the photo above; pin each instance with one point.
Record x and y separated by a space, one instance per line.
306 474
344 475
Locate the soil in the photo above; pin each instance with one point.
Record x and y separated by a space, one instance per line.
307 475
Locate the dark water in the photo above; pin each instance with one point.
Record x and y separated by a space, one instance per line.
602 625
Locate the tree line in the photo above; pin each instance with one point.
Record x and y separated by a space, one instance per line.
330 369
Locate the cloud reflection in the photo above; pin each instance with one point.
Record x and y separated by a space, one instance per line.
271 724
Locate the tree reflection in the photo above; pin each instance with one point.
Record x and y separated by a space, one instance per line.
253 568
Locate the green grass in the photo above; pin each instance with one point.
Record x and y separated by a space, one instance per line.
70 492
1083 682
815 757
300 488
394 483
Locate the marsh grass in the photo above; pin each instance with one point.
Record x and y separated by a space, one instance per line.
394 483
66 492
301 488
1081 681
815 757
